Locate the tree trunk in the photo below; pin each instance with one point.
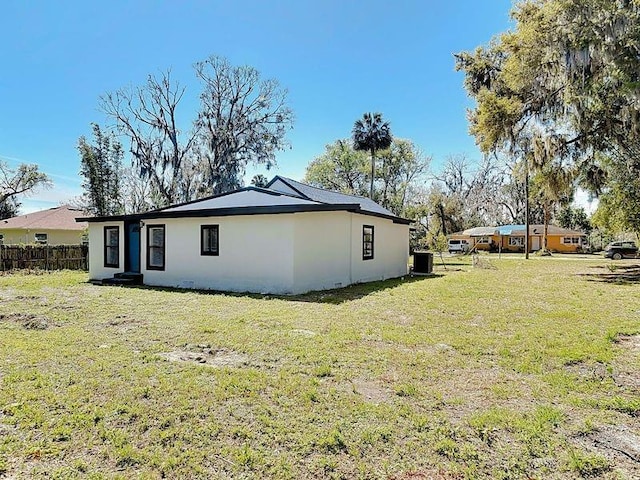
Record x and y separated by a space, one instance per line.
526 207
442 219
373 172
442 260
386 182
546 227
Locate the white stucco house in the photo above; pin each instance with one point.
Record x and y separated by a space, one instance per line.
287 238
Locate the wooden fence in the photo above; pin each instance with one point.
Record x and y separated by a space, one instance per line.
44 257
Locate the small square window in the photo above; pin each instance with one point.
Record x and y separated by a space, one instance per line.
367 242
209 240
41 238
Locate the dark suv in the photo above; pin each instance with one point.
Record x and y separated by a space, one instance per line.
618 250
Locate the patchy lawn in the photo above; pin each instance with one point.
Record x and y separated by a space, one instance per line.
521 369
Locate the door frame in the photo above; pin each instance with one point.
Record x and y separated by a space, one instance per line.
535 239
127 246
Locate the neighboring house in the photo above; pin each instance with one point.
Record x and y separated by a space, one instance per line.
55 226
287 238
511 238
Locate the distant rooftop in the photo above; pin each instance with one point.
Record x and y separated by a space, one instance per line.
518 230
57 218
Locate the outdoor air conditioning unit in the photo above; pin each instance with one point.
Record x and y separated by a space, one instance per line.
422 263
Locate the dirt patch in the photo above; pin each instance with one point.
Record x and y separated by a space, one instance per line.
27 320
205 355
10 295
426 475
619 444
466 390
593 372
630 342
615 273
124 323
480 261
29 297
303 333
625 372
121 320
620 440
370 390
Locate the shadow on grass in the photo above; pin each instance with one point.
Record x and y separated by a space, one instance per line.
616 274
334 296
357 291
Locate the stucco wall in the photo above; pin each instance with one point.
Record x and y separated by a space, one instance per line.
255 254
322 256
54 237
97 270
391 249
554 243
283 254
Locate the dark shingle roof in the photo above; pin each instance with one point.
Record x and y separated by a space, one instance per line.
288 197
249 197
328 196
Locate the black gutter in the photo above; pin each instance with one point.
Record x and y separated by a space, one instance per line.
225 212
264 210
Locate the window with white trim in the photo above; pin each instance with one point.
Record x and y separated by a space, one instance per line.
516 241
41 238
571 240
484 239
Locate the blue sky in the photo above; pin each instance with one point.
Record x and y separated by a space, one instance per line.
338 59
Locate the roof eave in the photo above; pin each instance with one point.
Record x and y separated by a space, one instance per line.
256 210
226 212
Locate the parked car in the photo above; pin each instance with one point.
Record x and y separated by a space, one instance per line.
458 246
618 250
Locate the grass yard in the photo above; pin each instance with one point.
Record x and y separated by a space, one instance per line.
527 369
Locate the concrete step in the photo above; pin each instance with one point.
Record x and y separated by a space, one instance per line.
134 278
119 281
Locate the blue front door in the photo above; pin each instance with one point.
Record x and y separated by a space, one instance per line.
132 247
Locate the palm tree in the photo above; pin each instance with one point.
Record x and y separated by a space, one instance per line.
371 133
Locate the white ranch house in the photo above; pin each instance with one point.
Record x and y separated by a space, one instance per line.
287 238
